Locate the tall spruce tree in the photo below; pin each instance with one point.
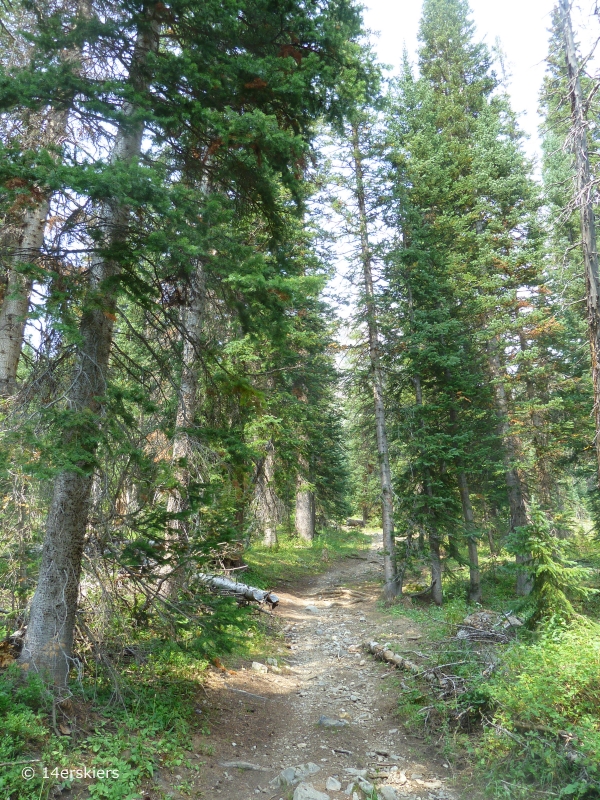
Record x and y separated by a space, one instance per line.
465 209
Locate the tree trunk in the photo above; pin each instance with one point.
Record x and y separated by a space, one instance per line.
467 508
584 201
387 509
13 314
519 517
233 588
437 592
545 485
305 506
268 505
27 244
192 321
48 642
28 241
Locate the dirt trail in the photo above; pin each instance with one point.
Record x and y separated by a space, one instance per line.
270 721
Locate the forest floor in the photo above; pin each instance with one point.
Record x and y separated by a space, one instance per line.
262 723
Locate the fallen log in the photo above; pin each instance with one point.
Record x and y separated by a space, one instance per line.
431 675
393 658
232 588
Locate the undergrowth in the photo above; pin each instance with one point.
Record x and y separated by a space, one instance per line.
525 715
122 732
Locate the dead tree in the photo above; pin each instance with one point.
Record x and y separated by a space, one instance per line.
584 200
26 232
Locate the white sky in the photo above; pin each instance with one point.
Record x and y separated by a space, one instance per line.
521 25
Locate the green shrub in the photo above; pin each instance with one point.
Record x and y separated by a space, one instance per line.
557 580
545 730
22 730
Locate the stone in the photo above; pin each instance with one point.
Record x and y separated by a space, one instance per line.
358 773
364 784
306 770
387 793
333 785
292 775
271 661
331 722
312 609
258 667
285 777
306 791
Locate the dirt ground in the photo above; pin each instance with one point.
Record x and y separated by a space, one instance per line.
264 722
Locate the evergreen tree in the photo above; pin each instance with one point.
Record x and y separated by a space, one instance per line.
467 246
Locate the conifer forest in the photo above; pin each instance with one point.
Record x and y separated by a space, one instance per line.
272 313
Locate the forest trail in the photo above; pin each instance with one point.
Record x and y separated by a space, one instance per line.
270 722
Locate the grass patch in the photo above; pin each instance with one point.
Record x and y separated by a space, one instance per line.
292 558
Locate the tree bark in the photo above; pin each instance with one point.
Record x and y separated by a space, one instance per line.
467 509
435 557
49 639
268 504
26 246
545 485
192 322
305 505
13 313
228 586
586 208
387 509
519 517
